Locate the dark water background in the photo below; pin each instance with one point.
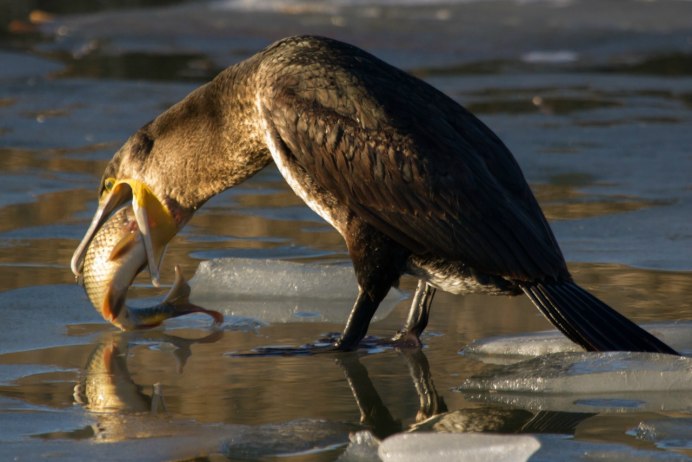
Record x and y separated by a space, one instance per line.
593 97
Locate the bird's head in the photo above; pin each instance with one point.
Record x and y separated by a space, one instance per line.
171 166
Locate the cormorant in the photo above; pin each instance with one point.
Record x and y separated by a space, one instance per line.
413 182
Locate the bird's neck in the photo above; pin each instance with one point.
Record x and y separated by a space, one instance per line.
225 136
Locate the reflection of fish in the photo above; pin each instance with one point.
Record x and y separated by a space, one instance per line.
106 384
121 408
113 258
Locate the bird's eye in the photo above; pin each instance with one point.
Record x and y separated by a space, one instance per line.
108 185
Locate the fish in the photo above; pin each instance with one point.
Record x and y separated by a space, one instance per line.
114 256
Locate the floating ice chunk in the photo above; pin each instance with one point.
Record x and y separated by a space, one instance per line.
666 433
567 450
479 447
550 57
362 448
433 447
588 382
280 291
590 373
513 348
676 334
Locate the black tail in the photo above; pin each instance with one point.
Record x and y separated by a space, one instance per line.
586 320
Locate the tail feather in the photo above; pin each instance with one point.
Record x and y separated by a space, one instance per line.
588 321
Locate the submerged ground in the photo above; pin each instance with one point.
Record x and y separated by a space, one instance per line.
594 99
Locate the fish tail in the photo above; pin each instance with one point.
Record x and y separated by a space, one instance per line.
588 321
179 299
177 303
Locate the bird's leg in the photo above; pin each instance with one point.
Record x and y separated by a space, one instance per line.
378 263
418 315
358 321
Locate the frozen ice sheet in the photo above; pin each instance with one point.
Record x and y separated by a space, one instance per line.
76 435
469 447
477 447
589 373
510 349
56 315
513 348
666 433
361 448
297 437
280 291
588 382
38 316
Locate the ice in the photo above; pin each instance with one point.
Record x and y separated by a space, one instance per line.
513 348
666 433
553 57
297 437
588 382
471 447
78 435
362 448
280 291
38 316
590 373
477 447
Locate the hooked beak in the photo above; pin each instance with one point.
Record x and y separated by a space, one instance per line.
154 220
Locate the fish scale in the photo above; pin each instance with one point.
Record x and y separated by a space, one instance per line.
113 259
99 269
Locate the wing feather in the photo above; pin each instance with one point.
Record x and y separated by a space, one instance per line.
410 161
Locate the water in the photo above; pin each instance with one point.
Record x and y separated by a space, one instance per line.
595 100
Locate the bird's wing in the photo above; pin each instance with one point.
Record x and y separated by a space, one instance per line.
414 164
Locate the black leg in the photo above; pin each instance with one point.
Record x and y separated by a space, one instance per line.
417 316
378 263
358 321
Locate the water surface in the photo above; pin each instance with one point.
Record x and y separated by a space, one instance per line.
594 99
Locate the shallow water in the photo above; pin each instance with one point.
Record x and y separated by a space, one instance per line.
594 99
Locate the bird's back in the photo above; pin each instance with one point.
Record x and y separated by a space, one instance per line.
407 158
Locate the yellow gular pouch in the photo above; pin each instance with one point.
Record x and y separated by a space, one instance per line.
155 222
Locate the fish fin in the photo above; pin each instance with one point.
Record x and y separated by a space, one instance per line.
122 247
180 292
112 305
179 298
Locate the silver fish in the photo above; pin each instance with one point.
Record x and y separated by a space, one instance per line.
113 258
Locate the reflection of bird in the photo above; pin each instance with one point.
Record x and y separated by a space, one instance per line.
413 182
107 389
433 414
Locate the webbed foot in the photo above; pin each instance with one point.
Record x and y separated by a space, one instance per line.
331 343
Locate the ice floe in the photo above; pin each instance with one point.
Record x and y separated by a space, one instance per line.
588 382
513 348
280 291
479 447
